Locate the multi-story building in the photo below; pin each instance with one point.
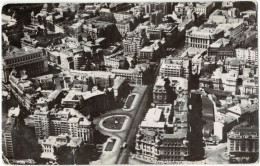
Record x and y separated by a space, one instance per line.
153 52
136 76
202 37
119 87
67 121
42 122
125 26
160 137
22 88
250 55
182 8
204 8
135 41
220 49
225 16
234 64
9 133
250 86
34 61
166 8
98 29
159 92
106 15
174 67
115 61
168 31
52 142
242 143
120 16
9 142
92 102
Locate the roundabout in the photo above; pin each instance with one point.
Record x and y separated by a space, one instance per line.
115 123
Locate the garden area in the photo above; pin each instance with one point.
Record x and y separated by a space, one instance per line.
129 101
114 122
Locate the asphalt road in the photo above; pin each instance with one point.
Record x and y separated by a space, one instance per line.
143 107
130 138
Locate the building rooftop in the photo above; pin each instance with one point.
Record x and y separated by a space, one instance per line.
15 52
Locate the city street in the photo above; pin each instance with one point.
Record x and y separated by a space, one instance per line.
128 130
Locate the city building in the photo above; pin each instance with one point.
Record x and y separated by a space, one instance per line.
120 16
34 61
119 87
106 15
160 139
115 61
92 102
42 122
250 55
136 76
52 142
168 31
202 37
225 16
134 42
166 8
204 8
9 133
22 88
126 25
242 144
153 52
159 92
174 67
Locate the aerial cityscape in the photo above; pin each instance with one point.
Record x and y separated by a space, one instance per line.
130 83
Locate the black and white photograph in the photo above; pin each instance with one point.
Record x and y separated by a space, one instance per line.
115 83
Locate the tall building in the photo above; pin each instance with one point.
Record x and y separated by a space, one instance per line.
34 61
9 133
243 144
42 122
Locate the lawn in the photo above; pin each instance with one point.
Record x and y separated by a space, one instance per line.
114 123
129 101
